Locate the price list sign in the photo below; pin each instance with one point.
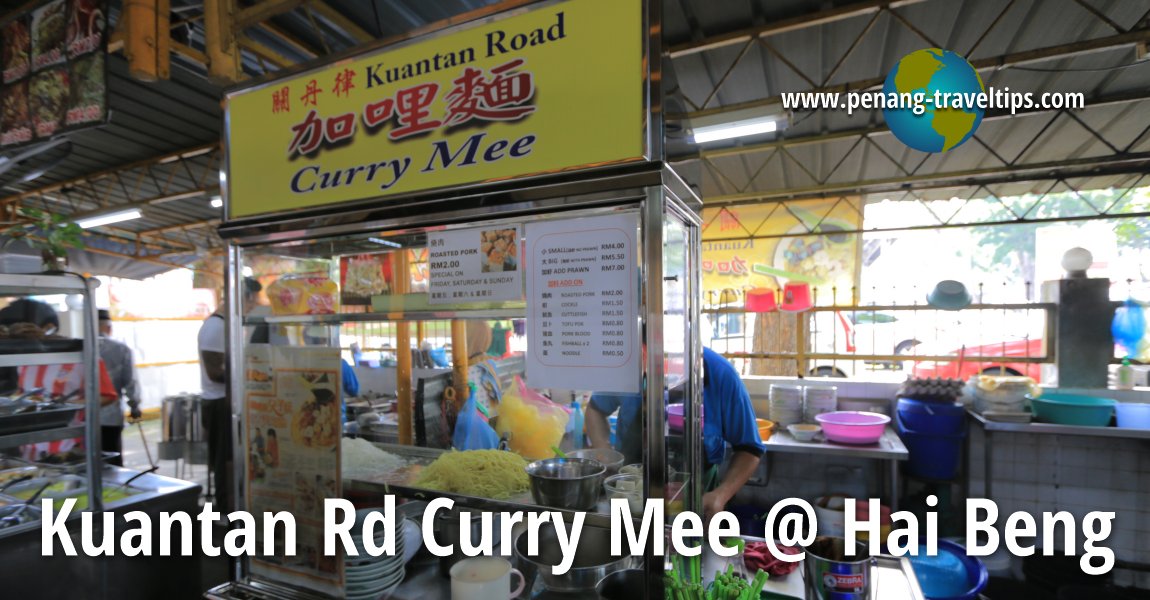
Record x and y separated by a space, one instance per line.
582 326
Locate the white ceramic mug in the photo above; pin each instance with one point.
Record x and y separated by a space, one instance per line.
484 578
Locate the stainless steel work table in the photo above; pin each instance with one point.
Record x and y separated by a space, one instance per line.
889 448
990 428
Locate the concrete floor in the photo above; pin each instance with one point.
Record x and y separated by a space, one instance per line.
213 571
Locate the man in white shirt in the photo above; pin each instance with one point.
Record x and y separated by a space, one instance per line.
216 408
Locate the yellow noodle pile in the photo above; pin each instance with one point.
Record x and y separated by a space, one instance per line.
486 473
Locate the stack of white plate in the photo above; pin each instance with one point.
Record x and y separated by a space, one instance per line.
786 404
372 577
819 399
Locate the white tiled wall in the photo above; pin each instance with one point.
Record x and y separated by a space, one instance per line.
1032 473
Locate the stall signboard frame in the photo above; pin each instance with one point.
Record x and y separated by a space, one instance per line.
548 88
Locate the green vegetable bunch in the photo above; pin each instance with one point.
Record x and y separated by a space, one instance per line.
684 583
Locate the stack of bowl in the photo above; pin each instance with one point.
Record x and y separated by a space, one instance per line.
786 403
818 399
370 577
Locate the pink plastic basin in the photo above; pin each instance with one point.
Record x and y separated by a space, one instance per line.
675 416
851 427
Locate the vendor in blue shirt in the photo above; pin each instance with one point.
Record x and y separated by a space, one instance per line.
728 418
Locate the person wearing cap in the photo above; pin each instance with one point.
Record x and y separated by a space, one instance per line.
729 420
117 358
215 406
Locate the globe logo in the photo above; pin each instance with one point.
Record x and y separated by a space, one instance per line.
944 87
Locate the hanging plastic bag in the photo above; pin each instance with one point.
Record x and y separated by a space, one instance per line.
1128 326
535 423
471 429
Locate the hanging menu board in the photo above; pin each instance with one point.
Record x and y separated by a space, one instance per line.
53 81
474 265
582 325
292 435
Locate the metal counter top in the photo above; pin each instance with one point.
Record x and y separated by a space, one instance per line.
889 446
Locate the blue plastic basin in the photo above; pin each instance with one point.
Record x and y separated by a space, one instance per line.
951 575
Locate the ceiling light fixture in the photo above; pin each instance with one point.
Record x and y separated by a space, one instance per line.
217 202
107 218
383 242
737 123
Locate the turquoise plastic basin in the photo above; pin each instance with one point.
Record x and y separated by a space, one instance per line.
1072 409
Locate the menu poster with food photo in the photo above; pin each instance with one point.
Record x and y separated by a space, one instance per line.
16 42
54 72
48 94
475 265
291 439
49 29
363 276
15 121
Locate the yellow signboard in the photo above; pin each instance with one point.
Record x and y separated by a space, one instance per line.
765 246
557 87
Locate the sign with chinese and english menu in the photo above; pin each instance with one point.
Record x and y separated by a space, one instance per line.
474 265
52 59
553 88
583 318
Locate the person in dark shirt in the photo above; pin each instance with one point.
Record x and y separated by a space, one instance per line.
728 419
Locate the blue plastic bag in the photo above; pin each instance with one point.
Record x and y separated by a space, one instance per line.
472 432
1129 326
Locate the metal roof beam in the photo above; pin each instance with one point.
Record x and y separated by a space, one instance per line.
359 34
262 11
1094 166
1048 53
808 140
822 17
91 178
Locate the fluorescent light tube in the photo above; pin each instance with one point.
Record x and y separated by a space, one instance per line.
383 242
724 131
217 202
108 218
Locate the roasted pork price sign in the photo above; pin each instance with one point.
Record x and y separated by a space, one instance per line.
52 59
557 87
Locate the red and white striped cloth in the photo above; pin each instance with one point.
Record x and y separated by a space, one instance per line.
60 380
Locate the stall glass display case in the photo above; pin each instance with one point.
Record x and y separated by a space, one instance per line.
605 280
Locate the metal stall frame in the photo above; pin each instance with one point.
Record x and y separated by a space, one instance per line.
653 193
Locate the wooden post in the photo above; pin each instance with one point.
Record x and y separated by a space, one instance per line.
147 40
403 354
220 42
459 360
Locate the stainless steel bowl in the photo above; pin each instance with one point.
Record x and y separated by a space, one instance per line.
612 459
593 560
571 483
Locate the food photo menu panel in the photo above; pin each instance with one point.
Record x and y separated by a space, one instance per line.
52 60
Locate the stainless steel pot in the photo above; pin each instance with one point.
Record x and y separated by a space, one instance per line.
593 560
572 483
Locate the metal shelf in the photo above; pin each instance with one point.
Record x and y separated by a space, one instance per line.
376 317
15 284
889 446
44 435
40 358
1052 429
